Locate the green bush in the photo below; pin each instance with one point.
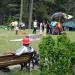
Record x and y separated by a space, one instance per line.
56 56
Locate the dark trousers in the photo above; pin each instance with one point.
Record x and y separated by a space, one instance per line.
16 32
34 30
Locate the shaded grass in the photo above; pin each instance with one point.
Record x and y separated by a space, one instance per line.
23 72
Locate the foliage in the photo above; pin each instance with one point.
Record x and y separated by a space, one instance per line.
42 9
56 56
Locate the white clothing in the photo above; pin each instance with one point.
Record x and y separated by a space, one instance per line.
16 28
24 49
41 28
45 28
22 24
12 23
35 23
15 23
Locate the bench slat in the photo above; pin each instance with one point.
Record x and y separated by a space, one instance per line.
8 60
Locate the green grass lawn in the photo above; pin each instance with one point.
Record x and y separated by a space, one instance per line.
7 45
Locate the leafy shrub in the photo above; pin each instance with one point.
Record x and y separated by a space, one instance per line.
56 56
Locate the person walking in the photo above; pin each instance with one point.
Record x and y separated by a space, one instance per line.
34 26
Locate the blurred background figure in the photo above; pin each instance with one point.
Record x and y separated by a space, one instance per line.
34 26
17 29
45 28
40 27
22 25
12 25
48 28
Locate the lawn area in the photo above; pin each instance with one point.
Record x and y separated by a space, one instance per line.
7 45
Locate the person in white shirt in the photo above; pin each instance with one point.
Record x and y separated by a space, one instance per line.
25 48
35 26
22 26
41 28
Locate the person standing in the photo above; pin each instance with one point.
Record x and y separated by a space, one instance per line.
17 29
22 25
34 26
48 28
12 25
40 27
45 28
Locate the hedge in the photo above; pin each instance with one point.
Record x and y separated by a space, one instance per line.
56 56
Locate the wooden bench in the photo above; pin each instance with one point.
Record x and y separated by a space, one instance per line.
12 59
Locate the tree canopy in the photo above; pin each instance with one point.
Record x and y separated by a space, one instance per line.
42 9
